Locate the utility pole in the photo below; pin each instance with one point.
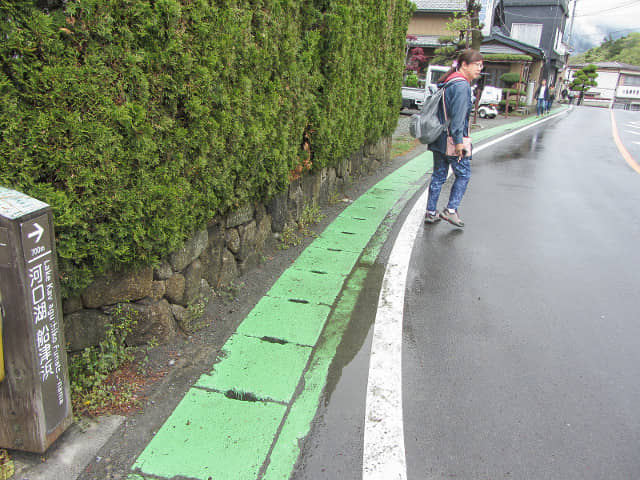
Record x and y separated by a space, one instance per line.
573 15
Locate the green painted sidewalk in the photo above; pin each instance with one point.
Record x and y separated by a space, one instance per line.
244 419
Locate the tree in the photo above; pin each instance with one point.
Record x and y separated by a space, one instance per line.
624 50
417 60
583 80
465 31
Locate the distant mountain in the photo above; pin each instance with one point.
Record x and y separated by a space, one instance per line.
624 50
582 44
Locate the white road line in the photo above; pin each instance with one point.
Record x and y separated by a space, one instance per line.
384 454
515 132
631 131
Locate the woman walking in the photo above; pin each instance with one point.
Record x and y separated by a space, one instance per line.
457 108
550 98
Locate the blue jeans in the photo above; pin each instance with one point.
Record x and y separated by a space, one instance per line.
462 172
541 106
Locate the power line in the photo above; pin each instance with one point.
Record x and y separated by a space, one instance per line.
635 2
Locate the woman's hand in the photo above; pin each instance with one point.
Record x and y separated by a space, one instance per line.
460 151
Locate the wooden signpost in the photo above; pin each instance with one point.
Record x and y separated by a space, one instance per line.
35 405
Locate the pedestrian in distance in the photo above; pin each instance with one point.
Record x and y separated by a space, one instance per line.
456 108
550 98
541 95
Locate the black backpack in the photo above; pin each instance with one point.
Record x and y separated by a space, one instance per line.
426 126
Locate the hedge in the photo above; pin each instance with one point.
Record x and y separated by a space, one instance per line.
507 57
140 120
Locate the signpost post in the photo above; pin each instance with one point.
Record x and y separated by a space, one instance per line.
35 406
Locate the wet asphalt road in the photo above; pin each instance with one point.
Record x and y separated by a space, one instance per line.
522 340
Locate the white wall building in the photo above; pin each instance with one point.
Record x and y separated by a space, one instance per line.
618 85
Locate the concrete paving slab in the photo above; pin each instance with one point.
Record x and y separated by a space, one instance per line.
211 436
364 227
299 323
324 260
298 285
269 371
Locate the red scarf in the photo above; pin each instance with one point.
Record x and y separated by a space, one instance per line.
455 75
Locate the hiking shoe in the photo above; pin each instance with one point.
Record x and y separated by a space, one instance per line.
452 218
429 218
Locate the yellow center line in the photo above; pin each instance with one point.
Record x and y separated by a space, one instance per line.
616 138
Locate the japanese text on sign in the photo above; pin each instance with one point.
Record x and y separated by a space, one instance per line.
38 254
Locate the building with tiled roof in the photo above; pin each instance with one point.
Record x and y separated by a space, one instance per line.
618 84
440 5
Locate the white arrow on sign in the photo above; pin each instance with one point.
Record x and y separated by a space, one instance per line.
37 232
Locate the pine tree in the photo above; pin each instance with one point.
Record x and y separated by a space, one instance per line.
583 80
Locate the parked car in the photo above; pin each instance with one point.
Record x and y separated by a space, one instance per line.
488 110
414 97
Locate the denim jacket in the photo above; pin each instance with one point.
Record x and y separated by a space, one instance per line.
457 97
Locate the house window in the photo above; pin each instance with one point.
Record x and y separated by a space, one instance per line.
631 81
559 47
529 33
493 73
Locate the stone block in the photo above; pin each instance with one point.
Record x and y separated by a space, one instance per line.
232 238
229 269
162 271
211 258
344 168
247 240
295 205
311 187
277 208
174 288
154 321
331 180
118 287
190 251
181 315
158 289
85 328
240 216
261 212
192 277
263 231
71 305
196 316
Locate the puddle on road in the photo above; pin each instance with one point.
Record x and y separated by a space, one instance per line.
355 336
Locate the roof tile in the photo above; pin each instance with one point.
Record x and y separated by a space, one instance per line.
441 5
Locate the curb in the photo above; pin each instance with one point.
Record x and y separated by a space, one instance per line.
267 386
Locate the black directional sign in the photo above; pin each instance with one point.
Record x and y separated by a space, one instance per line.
34 396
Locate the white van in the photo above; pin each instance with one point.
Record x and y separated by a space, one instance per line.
414 97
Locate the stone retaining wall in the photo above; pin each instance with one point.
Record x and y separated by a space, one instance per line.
171 297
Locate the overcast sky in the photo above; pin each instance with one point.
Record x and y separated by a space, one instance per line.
596 18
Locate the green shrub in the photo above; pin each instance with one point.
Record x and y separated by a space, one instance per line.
507 57
88 369
411 80
510 78
512 103
139 120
